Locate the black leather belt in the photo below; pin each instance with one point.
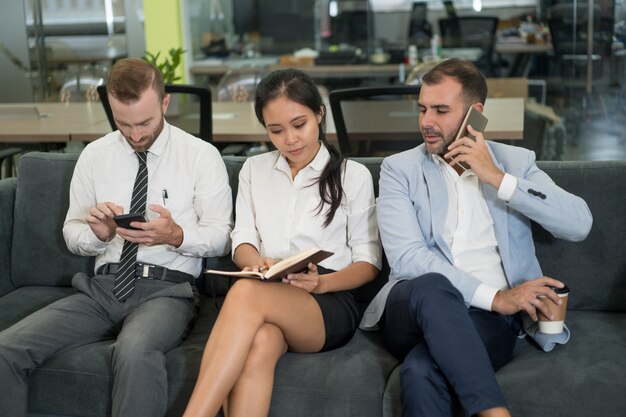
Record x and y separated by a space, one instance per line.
148 271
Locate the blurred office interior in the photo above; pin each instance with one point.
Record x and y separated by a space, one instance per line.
572 52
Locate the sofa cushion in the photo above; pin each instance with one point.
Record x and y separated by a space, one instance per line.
183 362
343 382
65 381
595 268
583 378
7 200
39 255
23 301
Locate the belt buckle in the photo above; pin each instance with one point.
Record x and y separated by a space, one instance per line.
148 271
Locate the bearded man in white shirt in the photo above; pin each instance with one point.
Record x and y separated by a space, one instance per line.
143 291
460 248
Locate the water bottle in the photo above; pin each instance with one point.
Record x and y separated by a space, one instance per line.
435 46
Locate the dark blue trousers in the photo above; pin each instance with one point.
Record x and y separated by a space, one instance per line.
449 353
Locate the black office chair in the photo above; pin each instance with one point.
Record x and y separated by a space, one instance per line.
384 121
568 29
535 126
9 154
420 30
185 119
472 32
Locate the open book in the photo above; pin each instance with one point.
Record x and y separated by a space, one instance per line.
279 270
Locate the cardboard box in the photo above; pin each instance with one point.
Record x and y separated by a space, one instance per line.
292 61
507 87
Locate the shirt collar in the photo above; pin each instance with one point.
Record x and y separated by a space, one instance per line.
318 163
442 164
158 147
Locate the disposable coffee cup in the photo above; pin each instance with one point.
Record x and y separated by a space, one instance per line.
554 326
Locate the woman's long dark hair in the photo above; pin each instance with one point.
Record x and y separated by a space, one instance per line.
300 88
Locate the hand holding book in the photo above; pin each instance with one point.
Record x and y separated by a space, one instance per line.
280 269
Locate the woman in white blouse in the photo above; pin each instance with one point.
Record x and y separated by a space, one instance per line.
301 196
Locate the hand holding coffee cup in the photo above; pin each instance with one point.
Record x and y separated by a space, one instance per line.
554 326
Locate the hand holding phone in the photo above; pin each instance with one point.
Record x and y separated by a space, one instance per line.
477 120
124 220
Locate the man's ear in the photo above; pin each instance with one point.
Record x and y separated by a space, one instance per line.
166 102
479 106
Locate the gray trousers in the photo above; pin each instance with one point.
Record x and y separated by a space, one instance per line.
153 320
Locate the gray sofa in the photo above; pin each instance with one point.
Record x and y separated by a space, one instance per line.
586 377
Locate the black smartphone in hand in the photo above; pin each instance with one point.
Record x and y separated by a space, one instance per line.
124 220
477 120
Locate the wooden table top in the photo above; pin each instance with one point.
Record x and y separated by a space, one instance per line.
232 122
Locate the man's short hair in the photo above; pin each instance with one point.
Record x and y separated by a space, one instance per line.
131 77
473 82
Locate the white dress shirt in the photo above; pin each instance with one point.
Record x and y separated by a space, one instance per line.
279 216
468 231
185 174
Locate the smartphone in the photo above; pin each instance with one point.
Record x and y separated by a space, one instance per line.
124 220
475 119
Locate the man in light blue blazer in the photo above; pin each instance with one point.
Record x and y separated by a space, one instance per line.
460 248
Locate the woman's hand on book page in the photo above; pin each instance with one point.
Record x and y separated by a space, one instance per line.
308 281
261 265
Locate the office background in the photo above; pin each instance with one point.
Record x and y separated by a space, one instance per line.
50 49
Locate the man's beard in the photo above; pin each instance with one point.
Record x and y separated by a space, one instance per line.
153 136
442 148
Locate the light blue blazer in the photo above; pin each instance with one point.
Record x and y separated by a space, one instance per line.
411 210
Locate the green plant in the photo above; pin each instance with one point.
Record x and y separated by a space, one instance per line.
168 64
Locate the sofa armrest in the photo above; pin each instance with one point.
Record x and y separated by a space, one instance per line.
7 202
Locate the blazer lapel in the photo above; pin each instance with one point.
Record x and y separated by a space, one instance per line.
438 202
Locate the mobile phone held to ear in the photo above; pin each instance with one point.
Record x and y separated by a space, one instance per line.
124 220
478 122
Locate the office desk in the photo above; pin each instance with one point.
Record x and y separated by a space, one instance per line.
46 122
214 67
523 53
232 122
315 71
398 119
236 122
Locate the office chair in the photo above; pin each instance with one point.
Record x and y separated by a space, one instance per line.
568 28
472 32
184 120
376 121
569 31
535 126
420 30
8 154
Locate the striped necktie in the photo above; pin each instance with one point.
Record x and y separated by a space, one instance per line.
125 278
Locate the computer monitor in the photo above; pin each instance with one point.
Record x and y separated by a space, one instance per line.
245 16
448 5
351 23
286 25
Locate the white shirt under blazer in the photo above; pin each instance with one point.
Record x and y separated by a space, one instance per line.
279 215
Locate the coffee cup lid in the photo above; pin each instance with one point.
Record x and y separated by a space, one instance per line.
564 290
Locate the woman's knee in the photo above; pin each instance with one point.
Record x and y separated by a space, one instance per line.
267 347
243 292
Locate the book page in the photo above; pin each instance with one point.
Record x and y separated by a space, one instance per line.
297 263
240 274
293 264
